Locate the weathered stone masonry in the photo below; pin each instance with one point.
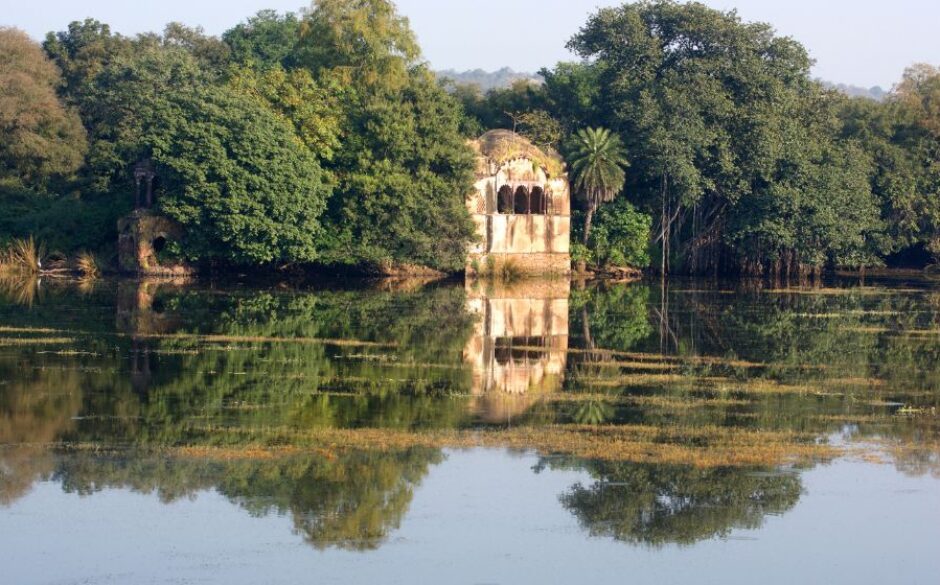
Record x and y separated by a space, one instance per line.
521 207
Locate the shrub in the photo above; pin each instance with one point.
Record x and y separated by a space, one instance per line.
620 236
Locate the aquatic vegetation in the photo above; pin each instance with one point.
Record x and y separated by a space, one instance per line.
23 256
6 329
21 341
88 265
253 378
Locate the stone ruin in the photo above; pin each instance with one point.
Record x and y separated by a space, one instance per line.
521 207
145 233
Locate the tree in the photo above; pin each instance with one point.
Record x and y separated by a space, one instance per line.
918 98
572 93
540 127
367 40
404 169
40 137
901 136
238 178
621 236
211 52
723 124
83 51
313 107
233 172
597 160
264 40
403 176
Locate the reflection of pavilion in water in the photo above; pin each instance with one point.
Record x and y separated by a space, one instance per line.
519 348
141 316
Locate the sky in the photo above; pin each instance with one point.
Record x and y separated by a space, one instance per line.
858 42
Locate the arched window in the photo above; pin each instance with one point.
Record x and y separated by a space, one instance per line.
538 201
521 202
504 199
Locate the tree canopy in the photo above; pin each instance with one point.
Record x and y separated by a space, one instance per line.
744 163
317 138
41 138
734 149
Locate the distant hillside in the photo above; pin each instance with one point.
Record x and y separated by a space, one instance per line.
506 76
873 93
488 80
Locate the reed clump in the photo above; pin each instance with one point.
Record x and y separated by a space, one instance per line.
88 265
22 256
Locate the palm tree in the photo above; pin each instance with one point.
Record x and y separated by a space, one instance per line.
597 163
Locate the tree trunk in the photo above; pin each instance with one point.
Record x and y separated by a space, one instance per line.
588 220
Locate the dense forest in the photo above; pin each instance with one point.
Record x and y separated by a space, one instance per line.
697 143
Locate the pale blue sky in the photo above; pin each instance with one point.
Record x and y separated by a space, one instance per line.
862 42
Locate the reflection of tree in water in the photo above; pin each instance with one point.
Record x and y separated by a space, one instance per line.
394 361
611 317
35 408
352 500
911 443
667 504
392 352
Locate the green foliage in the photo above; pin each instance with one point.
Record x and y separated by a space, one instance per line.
320 137
403 170
82 51
729 137
580 253
388 134
541 128
901 135
472 103
572 93
211 53
621 236
313 107
366 40
231 171
265 40
596 159
403 177
40 138
499 108
65 223
238 180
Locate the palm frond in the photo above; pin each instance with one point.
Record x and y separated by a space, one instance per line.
597 162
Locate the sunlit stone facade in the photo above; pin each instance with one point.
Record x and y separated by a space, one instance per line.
521 206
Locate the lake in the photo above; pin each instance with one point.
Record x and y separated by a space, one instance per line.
422 432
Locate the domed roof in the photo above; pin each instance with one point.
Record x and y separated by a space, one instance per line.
502 146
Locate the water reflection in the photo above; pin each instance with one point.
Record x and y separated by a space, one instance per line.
669 504
332 406
350 501
519 347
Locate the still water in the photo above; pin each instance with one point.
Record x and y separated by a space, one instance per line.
407 432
